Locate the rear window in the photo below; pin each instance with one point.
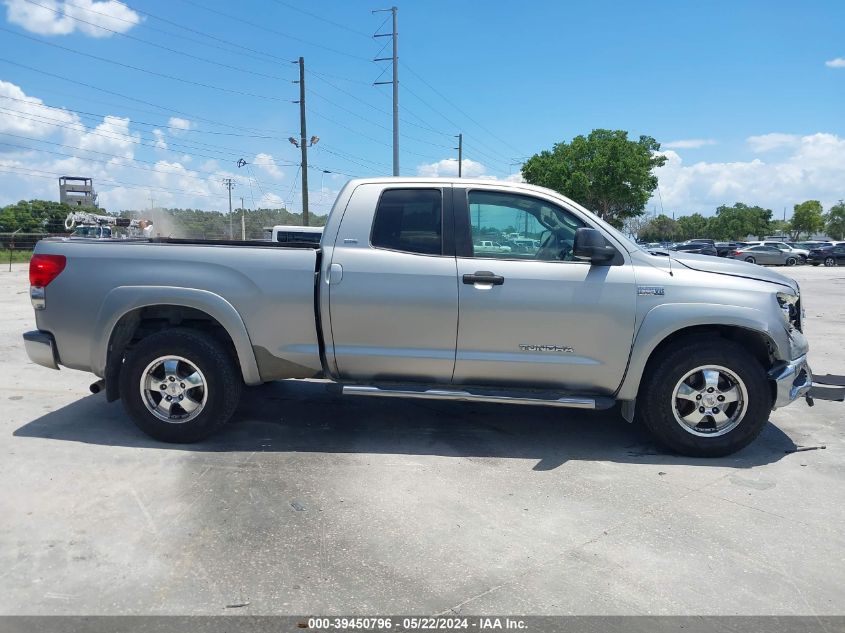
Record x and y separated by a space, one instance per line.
409 220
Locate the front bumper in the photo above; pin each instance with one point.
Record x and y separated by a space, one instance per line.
792 380
41 348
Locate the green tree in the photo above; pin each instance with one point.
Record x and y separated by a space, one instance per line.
604 171
740 220
690 226
807 218
835 221
660 229
34 216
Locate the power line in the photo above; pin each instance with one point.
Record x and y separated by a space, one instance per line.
135 140
263 27
143 70
123 96
450 102
156 45
138 122
234 45
322 19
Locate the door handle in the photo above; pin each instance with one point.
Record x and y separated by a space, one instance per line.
484 277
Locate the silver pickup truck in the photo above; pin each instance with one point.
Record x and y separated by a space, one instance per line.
395 301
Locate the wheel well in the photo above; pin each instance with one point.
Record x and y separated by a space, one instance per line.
756 343
141 322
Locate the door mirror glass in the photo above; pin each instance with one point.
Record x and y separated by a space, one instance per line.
590 245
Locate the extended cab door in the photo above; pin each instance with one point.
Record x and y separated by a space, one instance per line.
393 296
532 315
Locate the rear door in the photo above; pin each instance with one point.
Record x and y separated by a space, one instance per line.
535 317
393 296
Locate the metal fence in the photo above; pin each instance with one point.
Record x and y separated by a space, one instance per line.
17 247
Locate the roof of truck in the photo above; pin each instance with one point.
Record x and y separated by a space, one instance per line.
464 182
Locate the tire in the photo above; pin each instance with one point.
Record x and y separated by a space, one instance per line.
750 260
829 262
657 406
791 261
209 381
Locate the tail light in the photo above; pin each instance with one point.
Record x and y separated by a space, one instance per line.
737 253
45 268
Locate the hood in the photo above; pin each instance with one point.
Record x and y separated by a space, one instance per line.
733 267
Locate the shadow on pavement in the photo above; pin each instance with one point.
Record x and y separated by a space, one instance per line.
304 417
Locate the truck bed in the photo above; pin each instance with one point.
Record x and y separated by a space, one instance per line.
267 287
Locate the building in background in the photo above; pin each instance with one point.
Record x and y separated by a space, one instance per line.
77 191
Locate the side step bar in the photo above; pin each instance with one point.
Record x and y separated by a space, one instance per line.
571 402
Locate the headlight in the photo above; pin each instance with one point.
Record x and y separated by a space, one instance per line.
788 303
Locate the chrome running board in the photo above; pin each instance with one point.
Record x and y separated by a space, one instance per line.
570 402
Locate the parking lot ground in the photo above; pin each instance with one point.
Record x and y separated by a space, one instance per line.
310 503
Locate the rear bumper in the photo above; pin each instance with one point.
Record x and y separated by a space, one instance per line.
41 348
792 380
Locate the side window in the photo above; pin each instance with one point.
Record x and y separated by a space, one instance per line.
513 226
409 220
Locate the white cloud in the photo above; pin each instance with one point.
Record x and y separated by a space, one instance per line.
267 163
813 169
178 125
838 62
30 117
775 140
689 143
54 17
160 142
449 167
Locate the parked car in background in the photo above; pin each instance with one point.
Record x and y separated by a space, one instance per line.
723 249
699 248
487 246
801 253
810 245
767 255
833 255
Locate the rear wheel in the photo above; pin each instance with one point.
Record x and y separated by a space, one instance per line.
791 261
829 261
179 385
750 260
704 399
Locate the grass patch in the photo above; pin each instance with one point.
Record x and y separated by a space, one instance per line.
18 256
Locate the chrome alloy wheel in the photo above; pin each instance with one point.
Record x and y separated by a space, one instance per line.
173 389
709 401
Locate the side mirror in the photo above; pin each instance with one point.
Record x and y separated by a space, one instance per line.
591 245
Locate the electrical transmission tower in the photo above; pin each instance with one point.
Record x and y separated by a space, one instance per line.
395 59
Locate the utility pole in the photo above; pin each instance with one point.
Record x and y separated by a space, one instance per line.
460 149
243 221
303 140
395 82
229 184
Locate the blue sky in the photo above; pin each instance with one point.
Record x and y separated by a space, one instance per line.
747 97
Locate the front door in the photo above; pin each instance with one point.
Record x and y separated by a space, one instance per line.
393 296
530 314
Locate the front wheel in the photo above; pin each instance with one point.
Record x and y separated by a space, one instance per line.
829 261
705 398
179 385
791 261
